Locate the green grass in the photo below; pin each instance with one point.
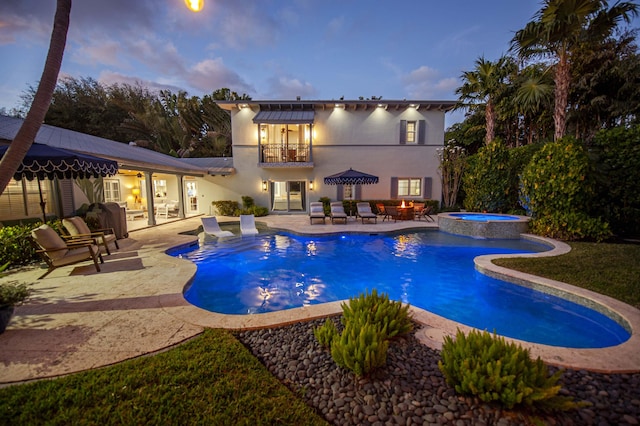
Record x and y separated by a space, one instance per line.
610 269
212 379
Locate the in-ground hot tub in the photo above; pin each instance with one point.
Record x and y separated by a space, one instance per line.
484 225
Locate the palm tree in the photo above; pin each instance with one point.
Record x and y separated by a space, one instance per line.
559 27
533 97
482 86
27 132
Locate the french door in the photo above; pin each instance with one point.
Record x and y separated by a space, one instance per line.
288 196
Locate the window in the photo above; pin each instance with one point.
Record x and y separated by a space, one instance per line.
411 132
348 192
21 199
160 188
111 190
409 187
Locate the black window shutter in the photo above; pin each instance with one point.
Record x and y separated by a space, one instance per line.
394 188
422 132
427 191
403 132
340 194
358 195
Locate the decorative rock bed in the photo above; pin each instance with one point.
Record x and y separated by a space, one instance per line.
410 389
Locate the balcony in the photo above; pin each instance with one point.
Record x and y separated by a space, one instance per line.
279 156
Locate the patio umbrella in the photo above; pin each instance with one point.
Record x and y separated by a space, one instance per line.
351 177
47 162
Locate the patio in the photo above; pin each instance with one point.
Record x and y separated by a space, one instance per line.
78 319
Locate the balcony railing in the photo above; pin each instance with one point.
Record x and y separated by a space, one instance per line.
285 154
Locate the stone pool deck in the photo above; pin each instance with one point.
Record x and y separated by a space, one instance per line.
80 319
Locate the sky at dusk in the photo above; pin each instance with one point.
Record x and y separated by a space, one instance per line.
268 49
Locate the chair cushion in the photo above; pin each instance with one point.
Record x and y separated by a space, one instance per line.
49 239
317 209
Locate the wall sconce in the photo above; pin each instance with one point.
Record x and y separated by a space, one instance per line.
264 185
310 185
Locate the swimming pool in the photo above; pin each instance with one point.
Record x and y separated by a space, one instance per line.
430 270
484 225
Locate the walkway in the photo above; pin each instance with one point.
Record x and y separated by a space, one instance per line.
79 319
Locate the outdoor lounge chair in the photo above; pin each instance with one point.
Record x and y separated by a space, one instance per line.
316 211
365 213
78 229
56 252
248 224
425 213
211 227
337 212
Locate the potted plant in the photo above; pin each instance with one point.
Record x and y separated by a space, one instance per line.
12 293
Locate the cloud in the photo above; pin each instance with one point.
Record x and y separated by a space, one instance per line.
290 88
426 83
212 74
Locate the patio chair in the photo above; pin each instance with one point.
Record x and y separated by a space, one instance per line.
248 224
381 211
392 213
365 213
316 211
337 212
78 229
57 252
425 213
211 227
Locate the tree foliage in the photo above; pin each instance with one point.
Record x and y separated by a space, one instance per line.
486 181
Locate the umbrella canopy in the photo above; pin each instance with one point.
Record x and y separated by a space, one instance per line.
46 162
351 177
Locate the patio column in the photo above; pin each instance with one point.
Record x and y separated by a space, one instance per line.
181 208
148 185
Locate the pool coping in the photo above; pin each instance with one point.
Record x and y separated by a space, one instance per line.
622 358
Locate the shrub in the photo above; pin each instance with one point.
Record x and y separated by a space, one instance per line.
617 157
571 226
326 333
360 348
370 320
247 202
486 366
226 207
391 318
15 245
486 181
557 189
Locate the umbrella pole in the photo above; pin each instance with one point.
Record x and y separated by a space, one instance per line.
42 203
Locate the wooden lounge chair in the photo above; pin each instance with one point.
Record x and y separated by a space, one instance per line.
425 213
365 213
337 212
78 229
316 211
210 226
57 252
248 224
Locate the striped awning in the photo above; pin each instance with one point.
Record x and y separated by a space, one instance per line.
284 117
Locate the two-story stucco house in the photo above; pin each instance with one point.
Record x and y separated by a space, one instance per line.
283 150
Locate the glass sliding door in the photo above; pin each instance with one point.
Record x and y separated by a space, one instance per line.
288 196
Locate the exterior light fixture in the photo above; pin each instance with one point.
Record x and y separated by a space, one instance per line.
264 185
382 106
310 185
194 5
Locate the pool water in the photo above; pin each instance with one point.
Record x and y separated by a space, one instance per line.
431 270
482 217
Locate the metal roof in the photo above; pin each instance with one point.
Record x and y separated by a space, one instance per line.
284 117
127 156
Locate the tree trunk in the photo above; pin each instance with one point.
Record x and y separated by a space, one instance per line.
562 80
490 118
42 99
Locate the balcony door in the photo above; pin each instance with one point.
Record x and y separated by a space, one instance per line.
288 196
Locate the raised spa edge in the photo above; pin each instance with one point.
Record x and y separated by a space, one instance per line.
484 225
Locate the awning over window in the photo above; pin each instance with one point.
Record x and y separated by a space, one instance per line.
284 117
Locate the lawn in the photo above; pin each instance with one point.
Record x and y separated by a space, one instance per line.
213 379
610 269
